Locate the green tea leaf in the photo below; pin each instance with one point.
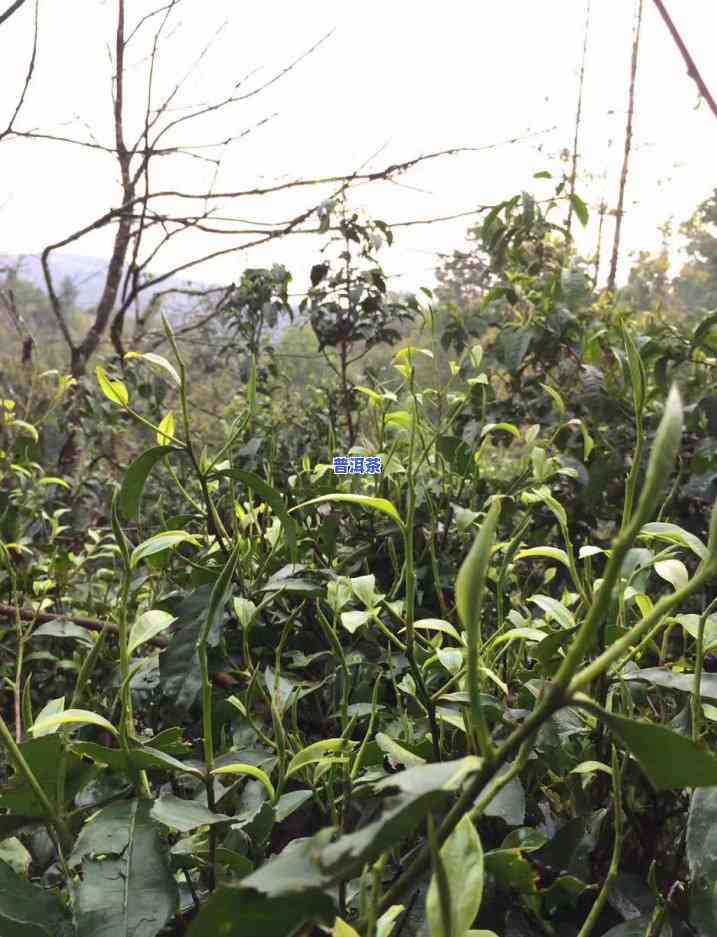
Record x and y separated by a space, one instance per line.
313 753
184 815
135 478
160 542
165 430
72 717
669 760
113 390
462 858
160 362
29 911
365 501
243 912
128 891
581 209
148 625
549 553
251 771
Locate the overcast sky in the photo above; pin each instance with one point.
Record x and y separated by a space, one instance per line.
397 78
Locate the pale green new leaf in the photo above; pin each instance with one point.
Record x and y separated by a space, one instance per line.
548 553
674 572
250 771
72 717
148 626
365 501
160 362
160 542
313 753
462 858
113 390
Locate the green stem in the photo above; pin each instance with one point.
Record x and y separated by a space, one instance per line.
623 644
553 700
697 688
602 897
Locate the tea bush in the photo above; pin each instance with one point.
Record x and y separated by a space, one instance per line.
469 695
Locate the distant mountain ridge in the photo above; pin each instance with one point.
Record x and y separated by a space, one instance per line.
88 275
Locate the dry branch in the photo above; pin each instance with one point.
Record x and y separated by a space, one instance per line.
692 69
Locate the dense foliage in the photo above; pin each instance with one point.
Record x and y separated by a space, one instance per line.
472 695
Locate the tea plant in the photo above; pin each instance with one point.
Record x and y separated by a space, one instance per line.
407 703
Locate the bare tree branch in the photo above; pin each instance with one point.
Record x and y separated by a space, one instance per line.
29 73
692 69
619 211
13 8
578 113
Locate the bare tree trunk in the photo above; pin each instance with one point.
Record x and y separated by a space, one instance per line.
598 248
84 351
619 211
574 168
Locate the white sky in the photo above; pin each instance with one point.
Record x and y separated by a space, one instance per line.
402 77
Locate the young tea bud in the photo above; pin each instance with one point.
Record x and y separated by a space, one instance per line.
661 462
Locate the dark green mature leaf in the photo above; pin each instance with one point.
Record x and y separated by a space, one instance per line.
512 347
179 664
130 493
702 860
43 757
275 501
410 794
684 682
184 815
288 803
64 629
636 927
297 869
131 893
105 834
238 912
581 209
668 759
703 335
511 869
29 911
509 804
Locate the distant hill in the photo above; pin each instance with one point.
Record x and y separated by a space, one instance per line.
87 275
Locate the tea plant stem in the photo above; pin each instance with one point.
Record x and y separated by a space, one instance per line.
553 700
500 782
217 599
337 648
410 577
623 644
600 901
214 525
697 688
440 877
